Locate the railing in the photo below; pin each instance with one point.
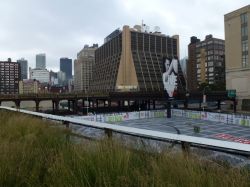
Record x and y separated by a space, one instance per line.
212 144
50 95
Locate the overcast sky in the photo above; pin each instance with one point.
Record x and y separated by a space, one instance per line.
60 28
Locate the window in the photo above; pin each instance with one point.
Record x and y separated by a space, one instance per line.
244 61
216 57
244 39
244 31
211 69
210 52
210 58
244 45
211 74
210 63
244 18
219 63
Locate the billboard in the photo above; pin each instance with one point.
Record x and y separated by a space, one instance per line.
169 76
173 79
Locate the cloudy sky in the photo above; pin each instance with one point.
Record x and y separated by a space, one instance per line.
60 28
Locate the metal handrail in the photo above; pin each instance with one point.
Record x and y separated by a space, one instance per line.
207 143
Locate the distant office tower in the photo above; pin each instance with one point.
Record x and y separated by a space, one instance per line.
192 83
24 68
40 61
62 78
53 78
42 75
10 75
237 40
183 64
209 66
132 60
66 67
83 68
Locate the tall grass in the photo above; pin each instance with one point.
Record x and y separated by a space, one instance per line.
32 153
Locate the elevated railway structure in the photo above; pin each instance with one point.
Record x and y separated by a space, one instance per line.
107 100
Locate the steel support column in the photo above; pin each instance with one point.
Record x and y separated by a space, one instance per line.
37 105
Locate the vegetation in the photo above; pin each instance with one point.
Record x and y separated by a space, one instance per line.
219 86
35 153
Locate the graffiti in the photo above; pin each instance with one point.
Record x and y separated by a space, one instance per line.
232 138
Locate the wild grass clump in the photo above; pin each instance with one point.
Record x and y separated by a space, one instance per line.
32 153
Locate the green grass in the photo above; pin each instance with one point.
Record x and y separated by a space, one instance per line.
32 153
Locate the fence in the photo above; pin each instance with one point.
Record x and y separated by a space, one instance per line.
209 116
185 140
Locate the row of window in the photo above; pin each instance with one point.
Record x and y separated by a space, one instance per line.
244 18
211 42
244 40
147 42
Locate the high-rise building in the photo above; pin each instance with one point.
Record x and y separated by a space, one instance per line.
53 78
42 75
41 61
62 78
191 65
237 43
132 60
10 75
209 59
24 68
83 68
66 67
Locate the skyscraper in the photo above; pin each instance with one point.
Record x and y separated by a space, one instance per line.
24 68
41 61
66 67
83 68
191 65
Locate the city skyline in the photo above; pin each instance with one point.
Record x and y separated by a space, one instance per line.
62 29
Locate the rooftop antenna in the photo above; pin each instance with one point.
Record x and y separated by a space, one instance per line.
143 26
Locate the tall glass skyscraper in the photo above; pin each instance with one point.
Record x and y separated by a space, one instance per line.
66 67
24 68
41 61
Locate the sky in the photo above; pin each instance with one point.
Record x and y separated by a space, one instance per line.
61 28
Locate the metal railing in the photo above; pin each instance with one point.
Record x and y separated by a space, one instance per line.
184 140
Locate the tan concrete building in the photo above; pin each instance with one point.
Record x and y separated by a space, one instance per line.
131 59
29 87
237 42
83 68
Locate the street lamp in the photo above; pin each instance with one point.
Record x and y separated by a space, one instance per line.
204 97
87 92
